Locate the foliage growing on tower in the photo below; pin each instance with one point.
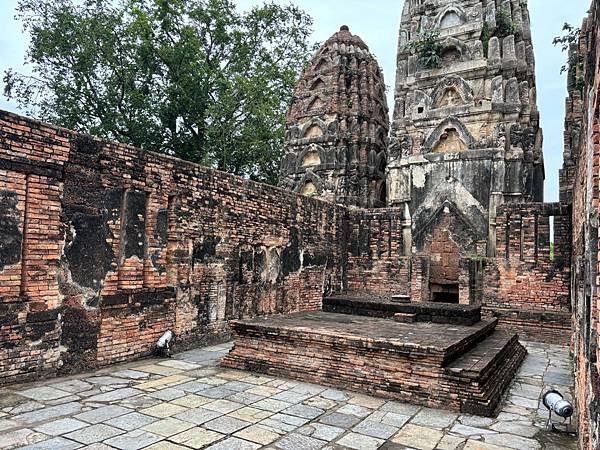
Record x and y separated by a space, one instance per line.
428 48
569 43
504 23
486 35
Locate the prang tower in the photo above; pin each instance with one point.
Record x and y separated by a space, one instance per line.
465 135
337 126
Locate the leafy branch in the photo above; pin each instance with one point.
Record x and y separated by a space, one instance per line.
569 42
192 78
428 48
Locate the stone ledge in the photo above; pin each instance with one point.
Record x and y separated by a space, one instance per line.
424 311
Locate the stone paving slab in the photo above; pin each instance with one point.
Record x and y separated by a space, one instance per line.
189 402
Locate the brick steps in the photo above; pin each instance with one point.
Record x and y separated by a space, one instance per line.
385 309
486 371
451 367
480 333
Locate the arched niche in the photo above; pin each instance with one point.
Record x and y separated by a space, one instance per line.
454 51
311 159
316 103
451 16
313 131
310 184
450 142
318 84
449 98
308 189
450 19
450 136
321 65
450 56
452 91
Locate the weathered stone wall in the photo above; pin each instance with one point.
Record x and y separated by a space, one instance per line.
104 247
377 258
465 136
580 187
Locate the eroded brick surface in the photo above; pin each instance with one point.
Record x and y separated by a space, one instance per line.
580 188
106 247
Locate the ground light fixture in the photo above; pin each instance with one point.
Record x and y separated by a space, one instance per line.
163 345
555 403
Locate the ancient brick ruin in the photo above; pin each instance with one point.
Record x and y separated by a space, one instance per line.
416 257
580 189
337 126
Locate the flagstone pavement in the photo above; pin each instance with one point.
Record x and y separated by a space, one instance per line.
190 402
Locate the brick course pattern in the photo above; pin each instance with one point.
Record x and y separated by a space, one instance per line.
526 286
580 188
105 247
443 366
378 263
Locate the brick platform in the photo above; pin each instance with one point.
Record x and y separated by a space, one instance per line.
461 368
423 311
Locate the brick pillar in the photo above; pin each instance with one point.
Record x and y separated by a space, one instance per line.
419 284
42 242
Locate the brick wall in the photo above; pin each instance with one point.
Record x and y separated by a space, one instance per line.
104 247
525 286
528 273
377 262
580 187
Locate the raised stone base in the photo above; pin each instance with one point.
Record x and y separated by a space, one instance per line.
460 368
423 311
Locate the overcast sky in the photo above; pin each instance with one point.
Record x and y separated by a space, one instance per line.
377 22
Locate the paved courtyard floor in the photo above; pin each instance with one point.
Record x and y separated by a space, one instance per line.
190 402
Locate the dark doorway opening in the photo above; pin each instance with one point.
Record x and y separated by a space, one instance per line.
383 195
445 293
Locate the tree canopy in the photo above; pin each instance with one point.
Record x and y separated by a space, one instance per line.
195 79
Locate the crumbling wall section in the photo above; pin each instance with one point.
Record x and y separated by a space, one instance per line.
580 187
32 159
104 247
378 263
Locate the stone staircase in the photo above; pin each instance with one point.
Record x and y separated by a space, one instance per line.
354 345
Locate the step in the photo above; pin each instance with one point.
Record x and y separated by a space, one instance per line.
424 311
486 371
405 318
444 341
420 363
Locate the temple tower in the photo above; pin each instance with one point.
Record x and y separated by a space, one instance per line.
337 126
465 135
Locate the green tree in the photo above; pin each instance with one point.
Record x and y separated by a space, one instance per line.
192 78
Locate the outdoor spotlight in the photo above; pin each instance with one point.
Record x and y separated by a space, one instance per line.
163 345
555 402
